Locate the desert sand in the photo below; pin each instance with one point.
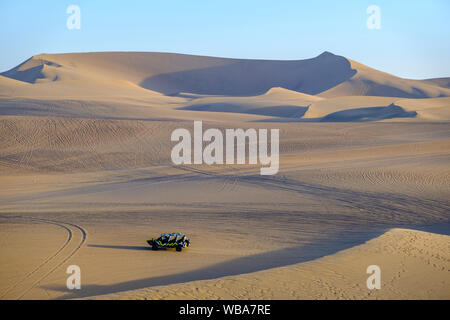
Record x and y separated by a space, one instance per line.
86 178
404 254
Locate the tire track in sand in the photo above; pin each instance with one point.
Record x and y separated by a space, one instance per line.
76 237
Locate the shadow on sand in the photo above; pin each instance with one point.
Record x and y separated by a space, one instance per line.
255 77
364 114
120 247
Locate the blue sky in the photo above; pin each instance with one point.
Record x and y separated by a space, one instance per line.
413 42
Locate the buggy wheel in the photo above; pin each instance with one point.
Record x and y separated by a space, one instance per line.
179 248
154 247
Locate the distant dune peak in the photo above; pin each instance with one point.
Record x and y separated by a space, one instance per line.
327 54
31 70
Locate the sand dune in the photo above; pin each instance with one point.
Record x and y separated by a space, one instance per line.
371 82
276 102
354 108
340 109
174 73
327 74
428 109
100 85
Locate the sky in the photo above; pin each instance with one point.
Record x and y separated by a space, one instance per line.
413 40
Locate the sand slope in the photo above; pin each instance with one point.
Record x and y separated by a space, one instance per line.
442 82
403 256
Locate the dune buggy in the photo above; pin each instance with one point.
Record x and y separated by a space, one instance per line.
169 240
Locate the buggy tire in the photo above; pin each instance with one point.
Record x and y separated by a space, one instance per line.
179 248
